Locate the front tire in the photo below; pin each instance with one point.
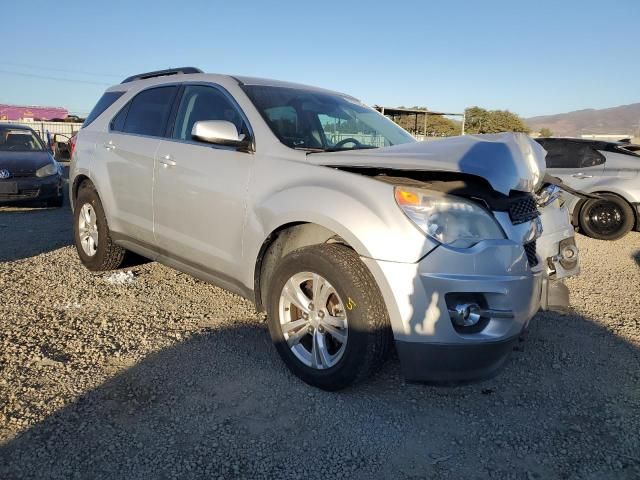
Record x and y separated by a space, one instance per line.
326 316
94 244
607 218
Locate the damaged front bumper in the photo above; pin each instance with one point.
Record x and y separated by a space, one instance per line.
423 301
559 253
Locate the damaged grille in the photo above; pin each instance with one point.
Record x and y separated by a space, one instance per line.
523 211
530 250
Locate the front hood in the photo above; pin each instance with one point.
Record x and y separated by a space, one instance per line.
508 161
17 162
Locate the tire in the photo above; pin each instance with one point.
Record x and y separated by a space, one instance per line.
56 202
107 255
368 332
608 218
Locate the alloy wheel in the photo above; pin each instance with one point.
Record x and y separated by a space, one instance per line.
313 320
88 229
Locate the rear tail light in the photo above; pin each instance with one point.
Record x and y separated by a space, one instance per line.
72 145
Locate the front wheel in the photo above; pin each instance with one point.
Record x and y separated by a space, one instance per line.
607 218
326 316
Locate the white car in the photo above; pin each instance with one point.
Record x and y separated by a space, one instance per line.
351 235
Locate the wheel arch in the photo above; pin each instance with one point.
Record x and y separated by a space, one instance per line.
77 181
575 214
280 242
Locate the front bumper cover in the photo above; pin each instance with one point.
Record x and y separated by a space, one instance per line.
34 189
431 349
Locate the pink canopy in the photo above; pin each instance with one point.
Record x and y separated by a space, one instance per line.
16 112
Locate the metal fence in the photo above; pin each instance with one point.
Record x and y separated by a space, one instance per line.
65 129
365 139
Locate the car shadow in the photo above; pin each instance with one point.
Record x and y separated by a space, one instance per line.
28 230
636 257
221 404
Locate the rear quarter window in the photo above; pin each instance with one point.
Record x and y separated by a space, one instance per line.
107 99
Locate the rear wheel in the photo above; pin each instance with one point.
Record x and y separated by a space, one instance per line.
607 218
326 316
91 233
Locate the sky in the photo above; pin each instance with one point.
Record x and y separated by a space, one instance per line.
541 58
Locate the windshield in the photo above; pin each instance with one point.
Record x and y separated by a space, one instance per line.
19 140
318 121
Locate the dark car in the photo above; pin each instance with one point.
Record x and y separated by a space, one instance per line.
28 171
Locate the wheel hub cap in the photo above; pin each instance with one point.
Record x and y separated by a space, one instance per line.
88 229
605 217
313 320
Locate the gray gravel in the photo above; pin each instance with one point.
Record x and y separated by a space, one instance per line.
163 376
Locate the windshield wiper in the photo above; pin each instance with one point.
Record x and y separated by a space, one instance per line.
363 147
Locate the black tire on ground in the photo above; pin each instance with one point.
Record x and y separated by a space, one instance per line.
108 256
56 202
608 218
369 332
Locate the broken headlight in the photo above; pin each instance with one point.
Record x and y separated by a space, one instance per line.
451 220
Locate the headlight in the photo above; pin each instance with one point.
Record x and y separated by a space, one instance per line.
450 220
48 170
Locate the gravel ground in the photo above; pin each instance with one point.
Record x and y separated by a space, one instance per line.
153 374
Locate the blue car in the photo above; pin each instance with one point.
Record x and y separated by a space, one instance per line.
28 171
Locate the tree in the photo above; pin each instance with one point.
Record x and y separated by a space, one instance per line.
545 132
480 120
437 125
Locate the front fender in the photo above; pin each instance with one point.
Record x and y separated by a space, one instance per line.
359 209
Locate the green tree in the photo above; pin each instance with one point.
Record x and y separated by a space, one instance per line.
437 125
480 120
545 132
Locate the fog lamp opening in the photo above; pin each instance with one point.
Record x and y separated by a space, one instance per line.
466 311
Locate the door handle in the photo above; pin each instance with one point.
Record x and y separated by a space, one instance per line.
581 175
109 145
167 161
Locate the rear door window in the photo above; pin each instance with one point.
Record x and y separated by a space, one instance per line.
105 102
588 156
149 111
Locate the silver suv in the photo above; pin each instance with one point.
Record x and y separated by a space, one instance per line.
331 218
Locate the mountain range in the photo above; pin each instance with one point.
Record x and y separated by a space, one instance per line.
624 119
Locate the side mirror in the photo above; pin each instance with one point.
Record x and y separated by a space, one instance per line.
219 132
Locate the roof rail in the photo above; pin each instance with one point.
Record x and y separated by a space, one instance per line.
161 73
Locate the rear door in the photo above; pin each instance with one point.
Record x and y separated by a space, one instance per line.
578 164
200 190
130 150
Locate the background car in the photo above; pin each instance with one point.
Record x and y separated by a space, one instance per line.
610 169
28 171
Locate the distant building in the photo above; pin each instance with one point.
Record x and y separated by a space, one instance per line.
609 137
30 113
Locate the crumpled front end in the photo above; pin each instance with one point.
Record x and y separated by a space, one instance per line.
557 249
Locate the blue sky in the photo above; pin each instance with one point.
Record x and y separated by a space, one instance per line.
545 57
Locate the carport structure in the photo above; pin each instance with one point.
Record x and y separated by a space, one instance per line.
396 113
